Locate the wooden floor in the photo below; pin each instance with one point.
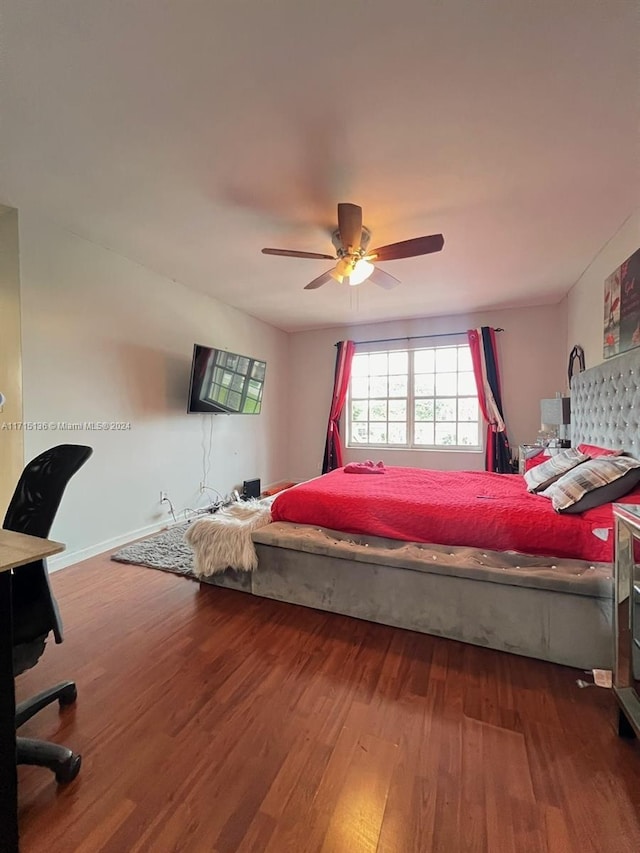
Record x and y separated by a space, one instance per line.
215 722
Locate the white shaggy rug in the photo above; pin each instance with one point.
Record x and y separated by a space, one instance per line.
223 540
166 551
206 546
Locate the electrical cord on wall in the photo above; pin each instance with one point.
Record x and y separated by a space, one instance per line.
206 488
167 500
206 452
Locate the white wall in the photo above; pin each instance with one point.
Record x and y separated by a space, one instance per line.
11 440
532 363
105 339
585 311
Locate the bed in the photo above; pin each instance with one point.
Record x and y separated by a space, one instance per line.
382 567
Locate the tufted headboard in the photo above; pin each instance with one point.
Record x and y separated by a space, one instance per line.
605 404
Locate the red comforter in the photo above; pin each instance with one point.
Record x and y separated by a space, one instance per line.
472 508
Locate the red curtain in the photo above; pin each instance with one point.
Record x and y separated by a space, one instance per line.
333 446
484 355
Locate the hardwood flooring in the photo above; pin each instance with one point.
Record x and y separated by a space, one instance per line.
213 722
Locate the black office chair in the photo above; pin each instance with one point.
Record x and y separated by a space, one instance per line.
35 612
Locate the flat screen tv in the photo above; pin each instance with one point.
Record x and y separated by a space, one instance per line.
225 382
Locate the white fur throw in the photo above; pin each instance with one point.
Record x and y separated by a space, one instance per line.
224 541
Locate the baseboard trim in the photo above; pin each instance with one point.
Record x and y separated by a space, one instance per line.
69 558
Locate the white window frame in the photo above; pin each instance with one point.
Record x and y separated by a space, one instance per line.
410 443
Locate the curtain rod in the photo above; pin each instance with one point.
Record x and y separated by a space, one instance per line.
416 337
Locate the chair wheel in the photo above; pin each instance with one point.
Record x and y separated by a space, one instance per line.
66 771
68 695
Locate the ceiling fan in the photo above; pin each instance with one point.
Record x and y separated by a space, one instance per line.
351 240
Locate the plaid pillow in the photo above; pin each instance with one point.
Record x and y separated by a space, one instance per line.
543 475
591 475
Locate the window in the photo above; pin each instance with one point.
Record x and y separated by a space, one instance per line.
235 382
420 398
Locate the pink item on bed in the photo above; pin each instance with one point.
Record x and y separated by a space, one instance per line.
472 508
367 467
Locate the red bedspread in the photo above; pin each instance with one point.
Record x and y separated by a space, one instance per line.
472 508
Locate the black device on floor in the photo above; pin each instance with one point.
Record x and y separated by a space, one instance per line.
250 489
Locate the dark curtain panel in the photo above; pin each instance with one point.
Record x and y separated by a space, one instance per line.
333 446
485 367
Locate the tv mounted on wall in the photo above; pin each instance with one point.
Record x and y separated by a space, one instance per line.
225 382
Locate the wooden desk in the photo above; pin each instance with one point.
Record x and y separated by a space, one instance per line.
16 550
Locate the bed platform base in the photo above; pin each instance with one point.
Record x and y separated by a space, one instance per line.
561 614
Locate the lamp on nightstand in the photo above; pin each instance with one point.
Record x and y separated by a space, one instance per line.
555 415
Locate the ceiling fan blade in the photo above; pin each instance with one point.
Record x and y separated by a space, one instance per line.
292 253
325 278
383 279
408 248
350 226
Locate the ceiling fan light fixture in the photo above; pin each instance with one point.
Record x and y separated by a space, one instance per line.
360 272
344 266
351 242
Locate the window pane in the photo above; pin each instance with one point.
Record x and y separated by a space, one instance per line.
468 434
359 387
467 383
468 409
447 384
233 400
378 386
398 362
446 359
397 410
258 369
445 434
378 410
424 385
424 410
359 409
423 433
360 433
378 364
378 433
397 434
254 389
464 359
397 386
446 410
360 365
424 361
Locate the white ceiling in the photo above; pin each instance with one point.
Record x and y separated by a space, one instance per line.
187 134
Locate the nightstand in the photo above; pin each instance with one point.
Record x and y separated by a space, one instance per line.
527 451
626 618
